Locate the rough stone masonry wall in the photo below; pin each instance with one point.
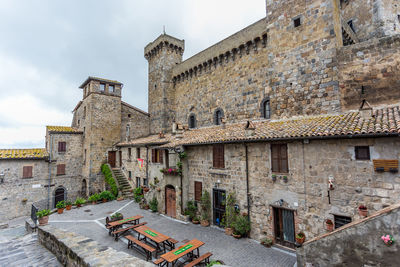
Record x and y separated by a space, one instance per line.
16 189
357 244
375 65
296 70
76 250
138 122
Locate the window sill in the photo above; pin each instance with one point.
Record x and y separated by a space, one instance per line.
60 174
27 177
218 171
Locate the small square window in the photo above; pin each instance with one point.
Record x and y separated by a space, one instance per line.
341 220
145 182
27 172
111 88
296 22
102 87
137 182
362 153
129 115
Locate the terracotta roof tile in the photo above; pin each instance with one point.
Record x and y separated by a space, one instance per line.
31 153
61 129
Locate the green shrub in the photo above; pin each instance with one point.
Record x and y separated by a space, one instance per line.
42 213
154 204
94 198
230 213
107 195
138 194
212 263
105 169
116 215
60 204
191 209
241 226
80 201
205 206
68 203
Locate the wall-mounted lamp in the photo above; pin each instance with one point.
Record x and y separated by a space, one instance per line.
330 182
217 183
2 177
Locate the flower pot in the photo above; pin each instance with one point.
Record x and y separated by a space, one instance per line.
120 198
60 211
68 207
104 200
94 202
228 231
195 222
329 227
79 205
146 189
236 236
204 223
44 220
363 212
300 240
158 189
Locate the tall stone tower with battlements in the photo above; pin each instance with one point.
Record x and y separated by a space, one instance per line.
162 55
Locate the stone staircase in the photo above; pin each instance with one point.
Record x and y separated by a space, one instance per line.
122 182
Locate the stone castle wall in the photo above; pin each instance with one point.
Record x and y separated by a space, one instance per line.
138 121
373 65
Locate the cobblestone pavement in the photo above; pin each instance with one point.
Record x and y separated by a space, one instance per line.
89 221
19 249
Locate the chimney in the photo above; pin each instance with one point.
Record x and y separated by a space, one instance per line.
174 128
366 111
250 129
223 122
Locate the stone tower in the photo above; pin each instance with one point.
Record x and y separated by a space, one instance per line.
98 115
162 55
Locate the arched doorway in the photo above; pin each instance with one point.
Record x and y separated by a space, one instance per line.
170 201
60 194
84 188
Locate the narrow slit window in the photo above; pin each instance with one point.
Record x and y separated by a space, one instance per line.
297 22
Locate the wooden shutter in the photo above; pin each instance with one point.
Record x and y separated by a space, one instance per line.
284 159
166 158
218 156
198 187
138 153
153 155
62 146
160 153
60 169
275 158
27 172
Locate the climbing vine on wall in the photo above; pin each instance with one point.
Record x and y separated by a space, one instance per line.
105 169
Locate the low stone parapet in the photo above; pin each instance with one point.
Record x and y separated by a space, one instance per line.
76 250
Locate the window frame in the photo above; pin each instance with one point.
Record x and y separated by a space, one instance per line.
62 147
27 171
263 109
113 88
156 156
60 169
137 182
129 153
357 153
196 196
218 156
279 160
100 87
217 119
192 122
138 153
337 218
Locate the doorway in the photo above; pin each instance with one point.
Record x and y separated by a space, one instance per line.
120 158
284 227
59 195
218 206
111 158
170 201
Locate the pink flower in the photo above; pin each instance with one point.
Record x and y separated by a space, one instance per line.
169 170
386 238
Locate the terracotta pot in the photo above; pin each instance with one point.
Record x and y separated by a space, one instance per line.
94 202
236 236
228 231
68 207
329 227
60 211
104 200
204 223
44 220
363 212
300 240
195 222
146 189
120 198
79 205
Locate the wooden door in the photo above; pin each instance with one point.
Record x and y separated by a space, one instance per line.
170 201
284 227
120 158
111 158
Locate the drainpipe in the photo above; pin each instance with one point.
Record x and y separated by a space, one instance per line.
181 176
48 189
247 180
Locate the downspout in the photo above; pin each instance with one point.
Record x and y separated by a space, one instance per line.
48 189
181 193
247 181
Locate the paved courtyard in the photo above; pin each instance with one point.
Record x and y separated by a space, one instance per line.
89 221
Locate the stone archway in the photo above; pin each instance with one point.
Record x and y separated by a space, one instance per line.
59 194
170 201
84 189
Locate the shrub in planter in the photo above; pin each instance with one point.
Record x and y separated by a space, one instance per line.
107 195
363 211
266 242
205 208
116 217
43 216
300 237
154 204
195 220
190 210
105 169
329 225
230 213
94 198
79 202
138 194
68 205
60 206
241 226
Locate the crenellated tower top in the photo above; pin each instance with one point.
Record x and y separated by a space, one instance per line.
164 41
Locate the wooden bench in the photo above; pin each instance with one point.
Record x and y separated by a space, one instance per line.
171 243
159 261
140 246
205 257
122 231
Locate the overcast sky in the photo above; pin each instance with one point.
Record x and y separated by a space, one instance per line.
49 47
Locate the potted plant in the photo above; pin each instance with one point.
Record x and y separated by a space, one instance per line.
190 210
106 196
120 198
79 202
154 204
146 189
300 237
116 217
68 205
241 226
266 242
138 194
273 177
195 220
94 198
363 211
230 213
60 206
329 225
205 209
388 240
43 216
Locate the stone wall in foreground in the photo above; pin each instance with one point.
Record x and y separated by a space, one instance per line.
75 250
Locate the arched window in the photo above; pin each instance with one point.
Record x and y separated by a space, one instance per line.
192 121
218 115
266 109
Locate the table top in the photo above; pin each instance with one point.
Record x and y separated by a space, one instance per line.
134 218
152 234
181 251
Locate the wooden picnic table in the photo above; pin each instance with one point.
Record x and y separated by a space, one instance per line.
191 248
157 238
112 226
